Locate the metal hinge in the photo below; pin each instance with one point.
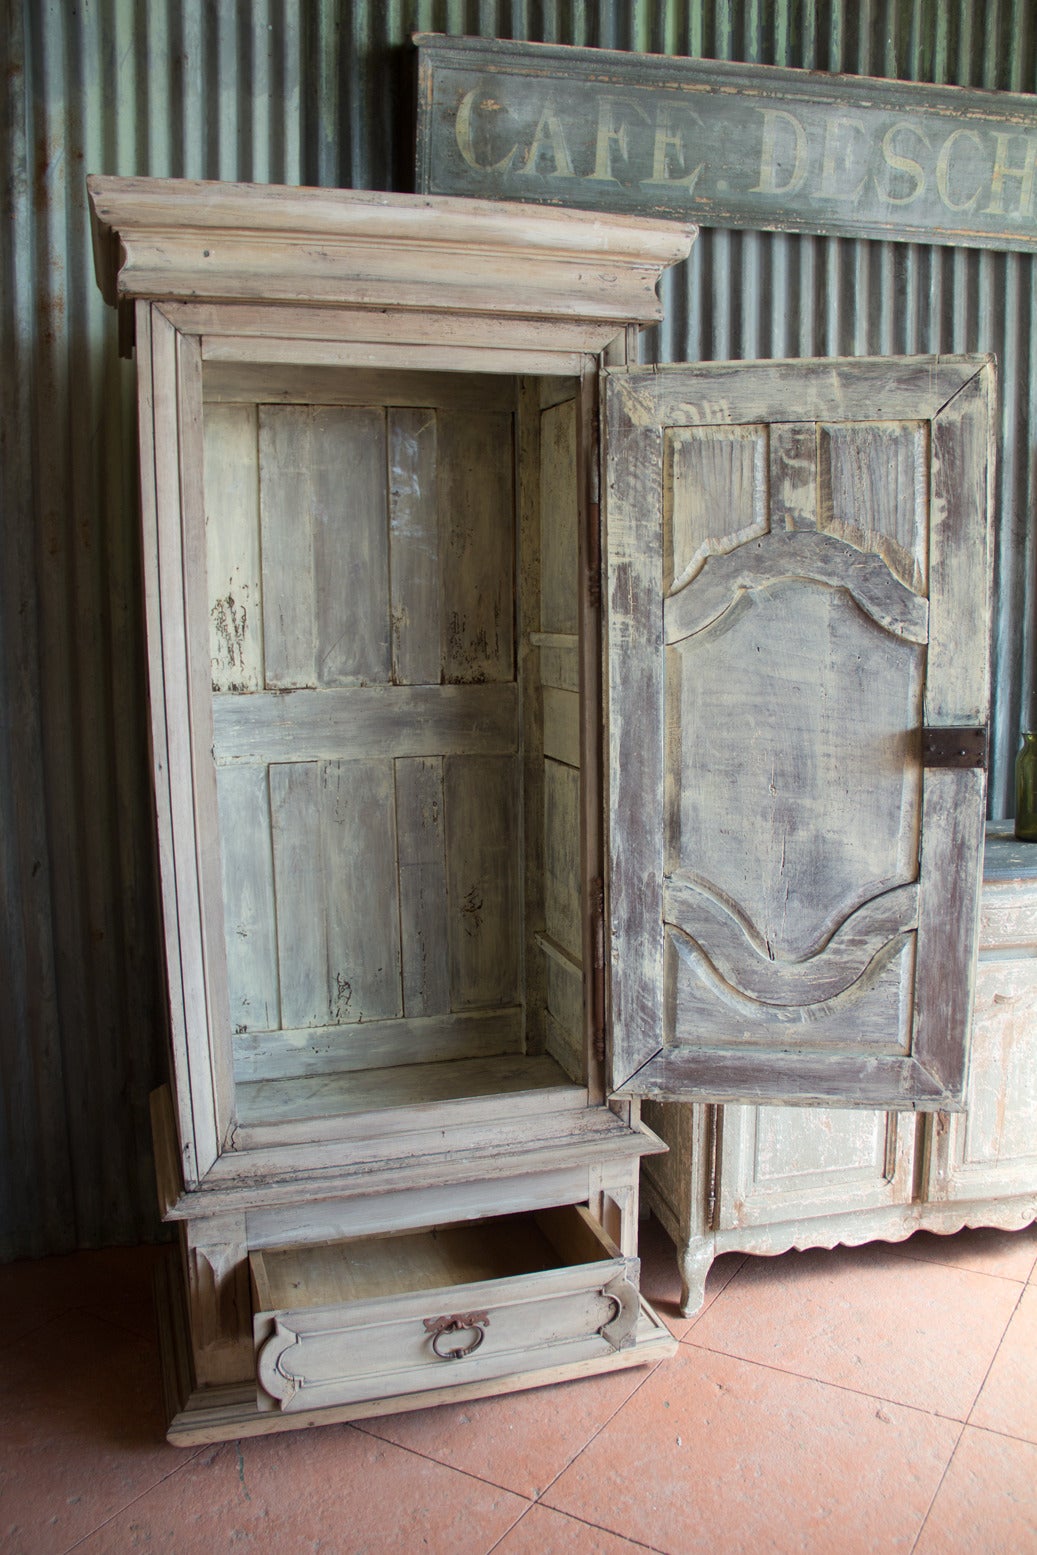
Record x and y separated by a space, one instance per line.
955 747
597 911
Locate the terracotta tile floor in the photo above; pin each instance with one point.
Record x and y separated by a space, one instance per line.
869 1399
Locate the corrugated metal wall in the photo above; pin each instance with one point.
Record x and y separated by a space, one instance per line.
314 91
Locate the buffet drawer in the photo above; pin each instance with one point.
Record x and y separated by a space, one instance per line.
374 1318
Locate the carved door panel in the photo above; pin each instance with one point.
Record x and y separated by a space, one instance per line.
788 1164
797 613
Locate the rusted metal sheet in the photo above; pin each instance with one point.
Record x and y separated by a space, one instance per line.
727 145
320 92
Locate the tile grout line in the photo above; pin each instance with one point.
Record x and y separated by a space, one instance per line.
939 1487
359 1425
993 1359
119 1510
900 1252
638 1544
822 1382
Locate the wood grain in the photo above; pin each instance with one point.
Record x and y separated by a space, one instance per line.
417 638
366 721
302 940
249 902
233 550
481 806
477 535
420 823
362 914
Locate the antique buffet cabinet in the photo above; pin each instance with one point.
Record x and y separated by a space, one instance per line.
532 734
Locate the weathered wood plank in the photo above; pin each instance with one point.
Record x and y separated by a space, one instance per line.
362 908
288 381
565 1011
366 721
377 1044
829 1079
417 645
285 503
736 145
948 919
795 709
559 660
636 721
347 468
419 1086
423 895
559 543
325 545
247 332
248 898
232 545
562 726
243 370
961 505
482 813
825 389
197 1143
299 879
477 535
530 585
562 915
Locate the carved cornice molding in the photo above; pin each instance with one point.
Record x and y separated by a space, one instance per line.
219 242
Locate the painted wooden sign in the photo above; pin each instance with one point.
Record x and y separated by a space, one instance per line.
727 145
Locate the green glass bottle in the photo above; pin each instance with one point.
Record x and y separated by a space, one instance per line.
1026 789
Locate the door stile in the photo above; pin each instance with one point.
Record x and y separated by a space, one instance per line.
592 773
957 695
194 895
152 446
633 631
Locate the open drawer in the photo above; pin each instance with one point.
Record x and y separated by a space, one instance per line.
377 1318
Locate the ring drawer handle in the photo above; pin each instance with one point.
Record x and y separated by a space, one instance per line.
457 1323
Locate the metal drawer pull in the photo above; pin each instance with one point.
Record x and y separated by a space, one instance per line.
457 1323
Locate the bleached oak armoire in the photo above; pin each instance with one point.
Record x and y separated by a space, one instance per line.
531 734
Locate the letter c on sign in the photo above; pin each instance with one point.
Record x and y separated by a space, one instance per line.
463 131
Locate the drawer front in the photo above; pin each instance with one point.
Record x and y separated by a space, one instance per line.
423 1340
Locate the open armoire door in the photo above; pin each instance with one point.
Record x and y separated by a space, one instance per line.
797 701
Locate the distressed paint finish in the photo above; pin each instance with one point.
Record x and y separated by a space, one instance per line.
727 145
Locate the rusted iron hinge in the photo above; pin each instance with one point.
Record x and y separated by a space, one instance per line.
597 911
960 747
